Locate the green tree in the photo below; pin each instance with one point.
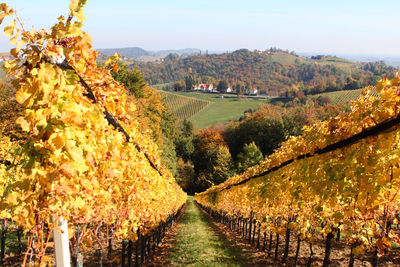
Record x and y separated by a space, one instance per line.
222 86
189 82
132 79
207 79
179 85
250 156
212 158
168 148
186 176
221 164
239 88
184 141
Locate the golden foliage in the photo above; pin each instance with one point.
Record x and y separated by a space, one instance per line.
74 164
354 188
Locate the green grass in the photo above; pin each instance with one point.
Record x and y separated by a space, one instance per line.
12 241
196 243
284 58
220 110
223 111
340 63
160 86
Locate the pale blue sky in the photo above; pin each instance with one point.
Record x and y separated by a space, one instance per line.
330 26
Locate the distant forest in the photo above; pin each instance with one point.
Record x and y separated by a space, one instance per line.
274 72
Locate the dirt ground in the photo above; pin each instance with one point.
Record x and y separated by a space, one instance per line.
254 257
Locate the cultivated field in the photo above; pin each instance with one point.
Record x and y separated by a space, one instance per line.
218 110
342 97
182 106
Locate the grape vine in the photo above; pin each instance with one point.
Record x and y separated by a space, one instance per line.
85 158
341 174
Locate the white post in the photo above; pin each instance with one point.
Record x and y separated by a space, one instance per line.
63 258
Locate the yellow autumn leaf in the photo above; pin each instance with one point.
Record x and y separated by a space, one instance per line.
23 123
358 250
68 169
9 30
79 203
80 16
2 17
15 38
56 141
113 58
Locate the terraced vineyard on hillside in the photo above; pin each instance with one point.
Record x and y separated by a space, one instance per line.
342 97
182 106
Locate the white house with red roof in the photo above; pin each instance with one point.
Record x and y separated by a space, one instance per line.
203 87
252 91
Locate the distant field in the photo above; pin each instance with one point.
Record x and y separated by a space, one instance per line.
208 109
284 58
341 97
184 107
160 86
220 110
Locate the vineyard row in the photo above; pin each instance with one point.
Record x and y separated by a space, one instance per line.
341 175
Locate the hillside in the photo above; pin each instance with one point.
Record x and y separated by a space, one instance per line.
182 106
273 72
342 97
145 55
208 109
129 52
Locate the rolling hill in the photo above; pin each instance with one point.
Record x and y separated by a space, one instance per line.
273 72
144 55
208 109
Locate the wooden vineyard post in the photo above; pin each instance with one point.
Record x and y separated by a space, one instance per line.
250 225
351 262
63 257
243 228
3 238
137 244
328 247
297 250
265 241
19 233
270 243
110 240
310 259
277 246
130 247
287 243
143 247
123 252
375 258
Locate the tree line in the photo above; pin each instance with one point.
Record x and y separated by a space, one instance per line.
272 72
200 158
210 156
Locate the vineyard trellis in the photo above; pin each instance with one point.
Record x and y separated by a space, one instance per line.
341 177
84 159
184 107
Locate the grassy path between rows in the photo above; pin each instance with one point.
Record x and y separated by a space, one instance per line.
197 244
